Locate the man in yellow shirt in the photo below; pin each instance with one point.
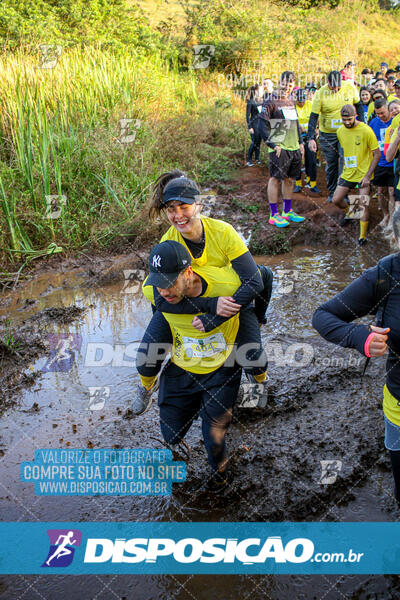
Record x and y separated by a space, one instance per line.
392 142
327 103
361 155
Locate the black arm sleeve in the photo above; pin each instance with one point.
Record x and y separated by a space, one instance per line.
250 277
312 124
360 111
154 346
299 133
332 319
252 284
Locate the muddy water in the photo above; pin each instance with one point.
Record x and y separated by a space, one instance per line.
321 410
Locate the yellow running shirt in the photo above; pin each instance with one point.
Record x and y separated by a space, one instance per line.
222 243
196 351
303 112
391 408
328 104
391 131
371 108
358 144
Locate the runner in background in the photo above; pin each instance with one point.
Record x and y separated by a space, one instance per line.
384 174
376 94
326 107
365 97
391 95
348 71
392 153
268 86
311 90
279 128
366 76
334 322
397 88
303 107
253 107
394 108
384 68
380 84
361 155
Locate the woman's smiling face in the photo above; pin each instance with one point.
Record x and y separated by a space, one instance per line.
182 216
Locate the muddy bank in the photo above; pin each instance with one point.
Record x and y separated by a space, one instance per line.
243 203
21 344
318 410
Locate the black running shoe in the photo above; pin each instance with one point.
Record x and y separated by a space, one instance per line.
217 482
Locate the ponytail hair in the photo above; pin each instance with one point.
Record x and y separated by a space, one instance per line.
156 204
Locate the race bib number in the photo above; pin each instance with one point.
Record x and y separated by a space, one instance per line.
336 123
202 348
289 112
350 162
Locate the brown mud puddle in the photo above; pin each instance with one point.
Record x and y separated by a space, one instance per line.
320 408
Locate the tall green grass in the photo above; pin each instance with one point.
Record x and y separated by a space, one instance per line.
60 127
60 130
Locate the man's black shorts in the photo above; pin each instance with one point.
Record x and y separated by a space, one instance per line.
383 177
352 185
287 166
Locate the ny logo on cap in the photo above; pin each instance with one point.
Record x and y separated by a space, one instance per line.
157 260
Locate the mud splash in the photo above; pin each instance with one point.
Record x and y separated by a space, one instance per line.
322 410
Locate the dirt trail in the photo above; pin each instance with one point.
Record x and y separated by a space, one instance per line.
243 202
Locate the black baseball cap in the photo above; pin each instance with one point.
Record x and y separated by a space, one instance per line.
166 262
311 86
384 64
182 189
397 83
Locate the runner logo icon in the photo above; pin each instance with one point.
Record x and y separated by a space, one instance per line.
62 547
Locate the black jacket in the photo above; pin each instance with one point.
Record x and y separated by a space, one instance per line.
252 113
333 320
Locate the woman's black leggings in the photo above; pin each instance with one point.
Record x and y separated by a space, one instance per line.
395 460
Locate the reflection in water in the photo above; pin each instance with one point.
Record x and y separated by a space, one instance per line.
63 418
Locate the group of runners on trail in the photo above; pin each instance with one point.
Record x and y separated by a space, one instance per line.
354 123
209 298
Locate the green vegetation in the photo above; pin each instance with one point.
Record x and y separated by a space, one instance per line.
250 208
111 60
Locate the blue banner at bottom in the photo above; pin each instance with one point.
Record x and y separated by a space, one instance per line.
199 548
